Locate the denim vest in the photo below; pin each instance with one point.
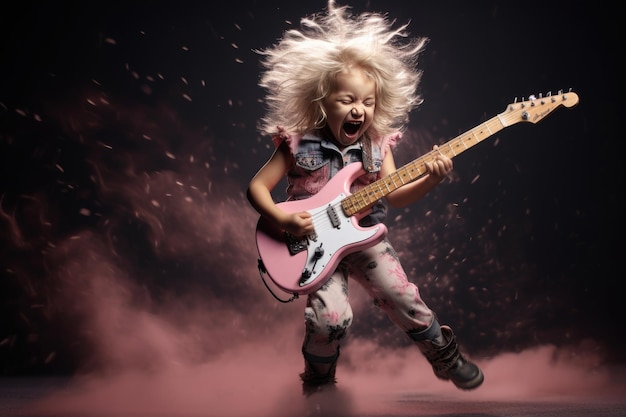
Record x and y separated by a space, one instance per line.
317 160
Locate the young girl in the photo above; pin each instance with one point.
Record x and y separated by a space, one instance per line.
339 91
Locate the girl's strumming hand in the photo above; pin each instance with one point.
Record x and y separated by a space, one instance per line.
298 224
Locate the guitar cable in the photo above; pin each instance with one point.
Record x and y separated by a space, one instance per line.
263 271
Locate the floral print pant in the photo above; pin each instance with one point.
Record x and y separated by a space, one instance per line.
328 313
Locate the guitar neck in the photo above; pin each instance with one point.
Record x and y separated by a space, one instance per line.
370 194
533 110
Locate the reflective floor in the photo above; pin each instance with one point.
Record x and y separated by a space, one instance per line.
48 397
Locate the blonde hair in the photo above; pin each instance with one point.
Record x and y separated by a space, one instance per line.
301 67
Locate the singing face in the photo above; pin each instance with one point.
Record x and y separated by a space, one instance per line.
350 106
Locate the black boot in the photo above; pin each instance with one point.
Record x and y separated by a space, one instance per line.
319 373
442 352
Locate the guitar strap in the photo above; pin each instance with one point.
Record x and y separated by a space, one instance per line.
366 154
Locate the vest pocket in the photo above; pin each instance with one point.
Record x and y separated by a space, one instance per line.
313 171
310 161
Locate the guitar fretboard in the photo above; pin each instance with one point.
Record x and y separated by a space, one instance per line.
532 111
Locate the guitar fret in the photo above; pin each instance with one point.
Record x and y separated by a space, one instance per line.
375 193
361 200
380 194
371 197
348 204
451 149
409 170
415 168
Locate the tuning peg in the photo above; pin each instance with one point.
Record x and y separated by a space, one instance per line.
552 99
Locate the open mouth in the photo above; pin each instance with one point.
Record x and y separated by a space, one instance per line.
351 127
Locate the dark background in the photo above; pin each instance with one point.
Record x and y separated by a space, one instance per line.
127 139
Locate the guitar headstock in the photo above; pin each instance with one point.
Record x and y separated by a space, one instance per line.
535 109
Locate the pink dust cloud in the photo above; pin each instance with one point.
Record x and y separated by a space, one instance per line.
257 380
203 355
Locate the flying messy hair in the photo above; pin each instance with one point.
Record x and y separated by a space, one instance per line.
300 70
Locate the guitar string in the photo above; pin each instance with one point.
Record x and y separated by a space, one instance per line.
321 219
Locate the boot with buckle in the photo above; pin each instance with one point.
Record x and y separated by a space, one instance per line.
442 352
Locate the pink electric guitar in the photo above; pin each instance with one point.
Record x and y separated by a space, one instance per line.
301 266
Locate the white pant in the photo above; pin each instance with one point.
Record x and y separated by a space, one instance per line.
328 313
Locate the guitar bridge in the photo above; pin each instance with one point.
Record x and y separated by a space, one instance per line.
295 244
